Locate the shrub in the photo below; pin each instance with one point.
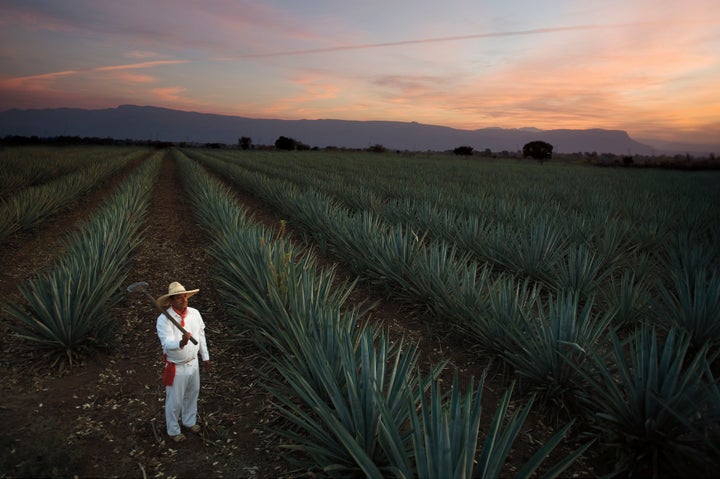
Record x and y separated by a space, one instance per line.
377 148
463 150
538 150
285 143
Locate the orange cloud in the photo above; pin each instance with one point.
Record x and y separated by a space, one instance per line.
130 77
78 83
34 82
315 94
168 94
37 81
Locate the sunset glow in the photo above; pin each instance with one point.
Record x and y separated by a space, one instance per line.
649 67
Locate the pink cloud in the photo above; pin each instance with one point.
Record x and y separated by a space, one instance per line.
168 94
314 99
45 81
102 86
130 77
173 97
34 82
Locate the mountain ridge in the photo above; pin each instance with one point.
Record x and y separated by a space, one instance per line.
164 124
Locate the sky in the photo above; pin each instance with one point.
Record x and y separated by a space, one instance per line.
649 67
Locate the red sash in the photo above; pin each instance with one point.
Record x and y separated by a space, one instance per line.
168 372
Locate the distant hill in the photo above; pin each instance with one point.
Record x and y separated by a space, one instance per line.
162 124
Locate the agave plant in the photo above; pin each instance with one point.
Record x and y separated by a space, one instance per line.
67 309
690 252
692 303
446 430
508 302
630 298
533 253
653 405
350 422
371 417
544 347
446 283
611 240
580 271
471 232
29 207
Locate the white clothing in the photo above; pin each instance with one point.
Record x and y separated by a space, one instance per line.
181 398
170 336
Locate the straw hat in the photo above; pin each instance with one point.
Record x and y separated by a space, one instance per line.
173 289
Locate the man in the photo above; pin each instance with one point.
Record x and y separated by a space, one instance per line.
182 371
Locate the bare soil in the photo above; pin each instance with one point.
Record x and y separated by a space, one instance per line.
104 417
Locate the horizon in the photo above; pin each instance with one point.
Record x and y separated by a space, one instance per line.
647 70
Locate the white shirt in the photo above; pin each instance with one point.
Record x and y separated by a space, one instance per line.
170 336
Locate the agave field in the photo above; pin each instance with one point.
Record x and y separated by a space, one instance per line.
583 301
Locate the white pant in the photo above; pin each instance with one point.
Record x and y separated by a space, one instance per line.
181 398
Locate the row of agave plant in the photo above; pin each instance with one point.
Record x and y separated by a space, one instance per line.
35 165
644 387
67 310
575 240
356 402
684 278
604 261
28 207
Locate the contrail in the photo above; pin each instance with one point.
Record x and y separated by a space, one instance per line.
362 46
129 66
135 66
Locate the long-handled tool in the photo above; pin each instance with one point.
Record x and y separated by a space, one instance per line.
141 287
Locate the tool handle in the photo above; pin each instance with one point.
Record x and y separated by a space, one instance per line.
172 320
192 340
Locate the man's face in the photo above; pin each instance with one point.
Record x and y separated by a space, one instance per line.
179 301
